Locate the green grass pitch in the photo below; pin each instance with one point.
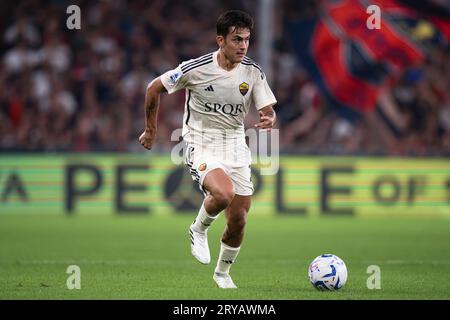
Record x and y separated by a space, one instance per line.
148 257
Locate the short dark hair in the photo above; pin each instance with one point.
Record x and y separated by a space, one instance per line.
233 18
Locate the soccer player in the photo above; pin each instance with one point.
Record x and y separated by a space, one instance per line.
220 87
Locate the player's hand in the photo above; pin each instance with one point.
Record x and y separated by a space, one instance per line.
265 121
147 138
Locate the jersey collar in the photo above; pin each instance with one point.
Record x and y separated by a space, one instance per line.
222 70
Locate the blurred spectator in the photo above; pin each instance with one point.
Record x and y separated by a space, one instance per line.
83 90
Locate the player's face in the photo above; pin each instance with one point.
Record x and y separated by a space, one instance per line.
235 44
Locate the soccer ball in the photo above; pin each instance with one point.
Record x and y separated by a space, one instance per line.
327 272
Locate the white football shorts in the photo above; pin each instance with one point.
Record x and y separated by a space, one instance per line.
201 163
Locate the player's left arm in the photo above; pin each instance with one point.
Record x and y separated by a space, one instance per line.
267 117
264 100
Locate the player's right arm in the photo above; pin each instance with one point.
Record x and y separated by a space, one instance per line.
169 82
152 95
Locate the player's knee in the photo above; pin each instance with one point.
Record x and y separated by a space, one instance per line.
224 198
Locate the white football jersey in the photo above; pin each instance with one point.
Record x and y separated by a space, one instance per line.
218 100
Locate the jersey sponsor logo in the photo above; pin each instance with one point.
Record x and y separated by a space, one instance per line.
243 88
228 108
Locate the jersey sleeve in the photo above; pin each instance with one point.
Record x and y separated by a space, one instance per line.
262 94
174 80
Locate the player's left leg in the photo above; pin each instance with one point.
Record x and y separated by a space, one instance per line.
236 215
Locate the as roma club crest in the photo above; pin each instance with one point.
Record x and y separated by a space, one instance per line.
243 88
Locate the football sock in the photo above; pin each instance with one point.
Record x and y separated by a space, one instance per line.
203 220
227 257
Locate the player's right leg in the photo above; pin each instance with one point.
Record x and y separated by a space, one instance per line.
220 193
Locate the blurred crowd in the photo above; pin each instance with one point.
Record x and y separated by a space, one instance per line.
83 90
